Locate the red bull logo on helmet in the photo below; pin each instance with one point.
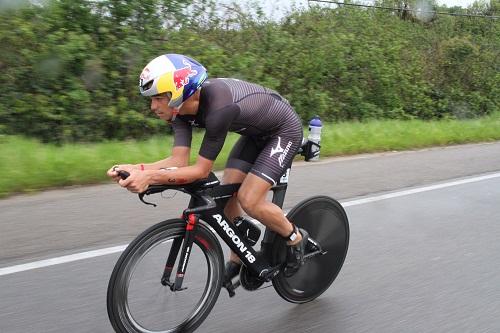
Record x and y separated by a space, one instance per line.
181 76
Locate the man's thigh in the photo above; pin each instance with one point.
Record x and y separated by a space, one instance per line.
243 155
233 176
276 157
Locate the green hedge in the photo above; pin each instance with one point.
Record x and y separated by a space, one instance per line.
69 68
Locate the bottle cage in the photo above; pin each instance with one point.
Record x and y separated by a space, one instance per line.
307 151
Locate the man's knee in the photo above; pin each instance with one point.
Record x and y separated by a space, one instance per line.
252 194
248 200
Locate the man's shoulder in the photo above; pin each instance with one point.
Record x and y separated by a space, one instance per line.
227 82
237 87
214 85
215 93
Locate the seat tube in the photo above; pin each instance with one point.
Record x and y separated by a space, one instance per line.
279 190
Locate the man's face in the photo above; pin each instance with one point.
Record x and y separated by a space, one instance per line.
159 105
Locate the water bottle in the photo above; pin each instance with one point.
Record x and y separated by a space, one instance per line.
315 137
249 229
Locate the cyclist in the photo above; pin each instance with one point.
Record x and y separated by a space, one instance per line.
271 134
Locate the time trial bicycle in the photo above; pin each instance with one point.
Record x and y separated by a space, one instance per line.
170 276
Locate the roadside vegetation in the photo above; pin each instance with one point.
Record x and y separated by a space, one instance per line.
28 165
380 79
69 68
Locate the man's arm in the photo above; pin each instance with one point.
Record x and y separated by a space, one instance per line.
179 159
138 181
183 134
182 175
217 127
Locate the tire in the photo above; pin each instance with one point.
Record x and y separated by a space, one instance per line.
136 299
326 222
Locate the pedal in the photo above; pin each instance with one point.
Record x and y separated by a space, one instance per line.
231 287
313 249
312 245
231 271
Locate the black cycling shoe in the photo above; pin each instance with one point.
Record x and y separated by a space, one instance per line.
232 270
295 253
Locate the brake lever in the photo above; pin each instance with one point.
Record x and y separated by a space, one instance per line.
124 175
141 197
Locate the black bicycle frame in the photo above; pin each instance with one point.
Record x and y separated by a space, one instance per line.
209 206
208 200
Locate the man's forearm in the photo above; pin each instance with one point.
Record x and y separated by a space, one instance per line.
182 175
165 163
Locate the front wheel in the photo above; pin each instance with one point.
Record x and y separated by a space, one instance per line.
139 300
326 222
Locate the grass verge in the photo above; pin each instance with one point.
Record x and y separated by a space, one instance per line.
27 165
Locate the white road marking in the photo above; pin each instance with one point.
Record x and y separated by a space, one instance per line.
419 190
61 260
120 248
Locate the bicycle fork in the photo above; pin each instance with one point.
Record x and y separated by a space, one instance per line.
184 258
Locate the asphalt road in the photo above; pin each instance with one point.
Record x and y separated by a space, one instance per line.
420 262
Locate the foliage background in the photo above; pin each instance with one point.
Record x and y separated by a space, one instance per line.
69 68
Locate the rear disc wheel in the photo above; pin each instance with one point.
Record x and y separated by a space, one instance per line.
326 222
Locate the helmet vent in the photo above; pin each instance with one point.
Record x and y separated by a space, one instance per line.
147 85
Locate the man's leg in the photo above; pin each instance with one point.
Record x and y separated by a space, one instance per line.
252 197
233 208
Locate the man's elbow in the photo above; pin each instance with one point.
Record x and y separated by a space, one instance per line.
203 170
204 173
203 166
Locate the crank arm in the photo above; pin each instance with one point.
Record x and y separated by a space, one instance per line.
315 249
314 254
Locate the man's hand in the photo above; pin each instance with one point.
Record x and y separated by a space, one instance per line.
137 182
112 172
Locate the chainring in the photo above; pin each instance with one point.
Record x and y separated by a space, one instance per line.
249 280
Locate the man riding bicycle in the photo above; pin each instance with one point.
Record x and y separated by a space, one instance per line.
271 135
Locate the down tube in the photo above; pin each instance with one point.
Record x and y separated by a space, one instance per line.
236 241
